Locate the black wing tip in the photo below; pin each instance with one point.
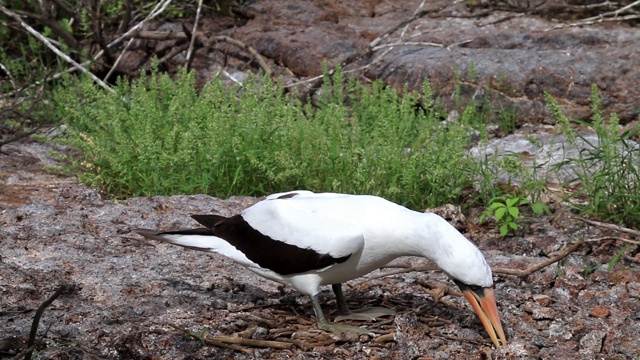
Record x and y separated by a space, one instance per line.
209 221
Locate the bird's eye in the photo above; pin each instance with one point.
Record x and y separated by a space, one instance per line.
475 288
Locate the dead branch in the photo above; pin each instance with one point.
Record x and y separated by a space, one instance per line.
253 342
115 63
193 38
607 225
159 35
614 238
531 270
24 353
53 48
206 41
19 136
36 319
209 42
209 342
55 27
604 17
174 51
157 10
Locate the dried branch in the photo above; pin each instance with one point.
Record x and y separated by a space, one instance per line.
193 37
209 42
531 270
159 35
157 10
253 342
19 136
115 63
56 28
607 16
48 43
614 238
36 319
607 225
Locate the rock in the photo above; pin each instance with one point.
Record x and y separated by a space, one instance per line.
599 312
466 53
591 343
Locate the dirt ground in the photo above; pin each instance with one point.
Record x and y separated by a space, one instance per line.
131 299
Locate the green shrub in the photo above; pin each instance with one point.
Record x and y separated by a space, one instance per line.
159 136
607 173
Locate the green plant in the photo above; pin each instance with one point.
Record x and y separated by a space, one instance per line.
616 258
607 170
159 136
506 210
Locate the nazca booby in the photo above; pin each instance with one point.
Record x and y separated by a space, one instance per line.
306 240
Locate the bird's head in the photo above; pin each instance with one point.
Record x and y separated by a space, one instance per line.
466 266
483 302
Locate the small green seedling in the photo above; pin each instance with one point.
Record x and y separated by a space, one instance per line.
506 210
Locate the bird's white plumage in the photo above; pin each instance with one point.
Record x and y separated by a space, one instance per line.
372 230
306 240
389 231
306 223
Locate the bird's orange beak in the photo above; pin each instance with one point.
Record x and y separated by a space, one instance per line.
483 302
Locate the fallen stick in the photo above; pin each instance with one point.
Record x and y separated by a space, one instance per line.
252 342
614 238
607 225
53 48
531 270
233 343
36 321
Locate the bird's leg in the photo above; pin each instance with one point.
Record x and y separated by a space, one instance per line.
337 329
370 314
343 308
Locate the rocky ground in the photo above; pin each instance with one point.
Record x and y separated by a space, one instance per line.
130 298
127 298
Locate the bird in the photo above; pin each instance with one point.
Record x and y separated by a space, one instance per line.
307 240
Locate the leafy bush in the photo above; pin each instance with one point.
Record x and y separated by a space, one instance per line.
159 136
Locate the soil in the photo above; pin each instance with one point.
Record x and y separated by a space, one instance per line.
127 298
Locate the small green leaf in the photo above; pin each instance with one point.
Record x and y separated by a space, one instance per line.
513 201
515 212
496 205
540 208
616 258
504 229
513 225
482 217
500 212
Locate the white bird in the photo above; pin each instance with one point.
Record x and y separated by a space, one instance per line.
306 240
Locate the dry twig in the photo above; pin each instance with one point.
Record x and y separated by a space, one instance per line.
604 17
36 321
531 270
253 342
607 225
193 36
614 238
256 55
53 48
